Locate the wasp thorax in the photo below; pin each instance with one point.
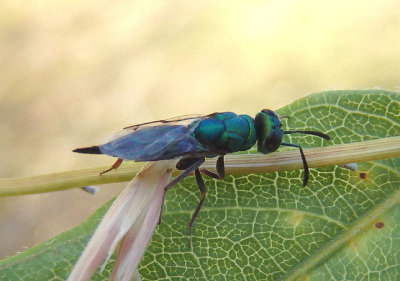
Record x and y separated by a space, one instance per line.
268 130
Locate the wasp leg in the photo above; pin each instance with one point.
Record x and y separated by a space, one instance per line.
202 187
220 167
303 157
113 167
194 165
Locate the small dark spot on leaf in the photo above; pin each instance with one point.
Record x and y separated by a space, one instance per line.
363 175
379 224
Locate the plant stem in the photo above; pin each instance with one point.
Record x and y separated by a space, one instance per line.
234 164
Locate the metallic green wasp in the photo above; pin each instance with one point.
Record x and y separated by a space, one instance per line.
192 139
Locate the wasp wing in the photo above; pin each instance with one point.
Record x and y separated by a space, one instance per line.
175 120
156 141
184 120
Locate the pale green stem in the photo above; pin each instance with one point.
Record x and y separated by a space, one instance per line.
234 164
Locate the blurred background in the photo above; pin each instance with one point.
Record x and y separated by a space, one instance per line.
74 72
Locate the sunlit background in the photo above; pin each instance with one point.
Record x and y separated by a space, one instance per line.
73 72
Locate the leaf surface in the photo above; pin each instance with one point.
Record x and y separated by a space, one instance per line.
343 226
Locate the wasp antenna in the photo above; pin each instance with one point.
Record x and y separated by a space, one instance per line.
314 133
303 158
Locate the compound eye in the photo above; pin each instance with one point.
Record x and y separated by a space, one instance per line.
270 135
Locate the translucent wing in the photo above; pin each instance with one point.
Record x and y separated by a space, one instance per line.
183 120
175 120
158 140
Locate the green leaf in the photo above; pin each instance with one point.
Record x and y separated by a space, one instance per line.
343 226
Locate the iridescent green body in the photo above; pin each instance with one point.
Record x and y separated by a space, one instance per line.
226 132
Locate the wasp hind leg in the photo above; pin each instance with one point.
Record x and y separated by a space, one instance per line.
202 187
189 165
113 167
220 167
